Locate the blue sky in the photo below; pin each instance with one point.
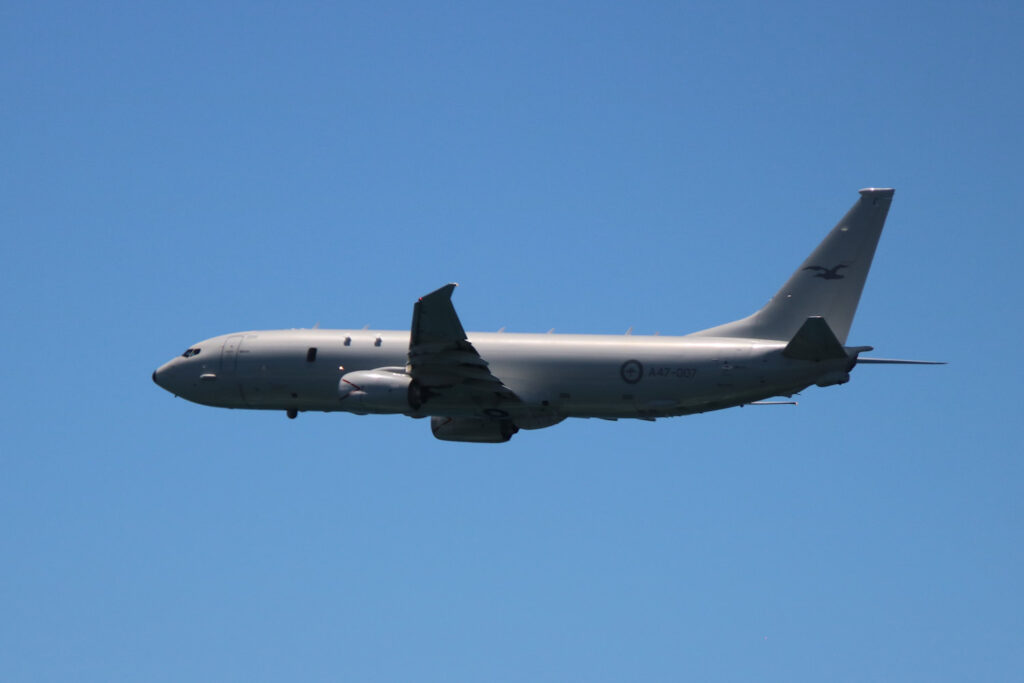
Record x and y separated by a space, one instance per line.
174 172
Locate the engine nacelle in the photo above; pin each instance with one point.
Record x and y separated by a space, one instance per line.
472 429
384 390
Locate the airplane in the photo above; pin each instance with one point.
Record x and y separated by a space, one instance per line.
484 387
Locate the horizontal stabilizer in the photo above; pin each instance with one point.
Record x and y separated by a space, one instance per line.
814 341
896 361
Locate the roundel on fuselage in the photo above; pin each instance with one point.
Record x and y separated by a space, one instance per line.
632 371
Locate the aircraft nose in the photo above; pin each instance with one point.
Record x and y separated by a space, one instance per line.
161 378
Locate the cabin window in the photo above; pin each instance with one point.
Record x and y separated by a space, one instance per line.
311 355
348 341
378 341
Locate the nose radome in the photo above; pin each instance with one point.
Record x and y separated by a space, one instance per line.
160 377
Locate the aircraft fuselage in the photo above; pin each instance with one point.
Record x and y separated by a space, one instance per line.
560 375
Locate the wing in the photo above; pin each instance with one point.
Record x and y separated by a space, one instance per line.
446 367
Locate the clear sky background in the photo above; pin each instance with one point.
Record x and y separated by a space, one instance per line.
175 171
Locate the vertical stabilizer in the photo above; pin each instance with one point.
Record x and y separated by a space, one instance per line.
828 284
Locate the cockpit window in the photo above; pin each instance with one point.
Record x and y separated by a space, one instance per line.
191 352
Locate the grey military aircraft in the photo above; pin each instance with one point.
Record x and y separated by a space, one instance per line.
485 387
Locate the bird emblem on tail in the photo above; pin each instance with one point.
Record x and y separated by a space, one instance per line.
827 273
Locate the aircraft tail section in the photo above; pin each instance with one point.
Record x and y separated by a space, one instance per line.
828 284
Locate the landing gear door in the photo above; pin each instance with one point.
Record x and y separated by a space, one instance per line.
229 355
